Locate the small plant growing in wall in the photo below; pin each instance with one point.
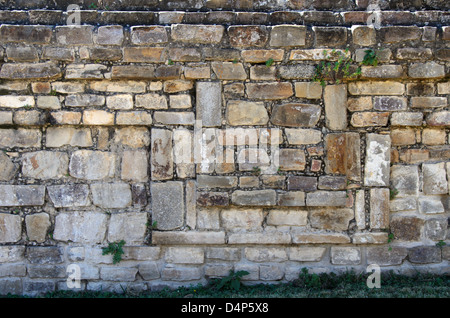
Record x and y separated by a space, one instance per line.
370 58
232 281
115 249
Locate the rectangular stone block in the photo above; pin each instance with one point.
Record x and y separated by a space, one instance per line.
9 101
74 34
406 119
327 198
343 155
145 54
75 195
255 197
21 137
376 88
269 91
248 35
33 34
22 195
80 227
85 71
161 154
300 237
260 238
379 208
111 195
287 35
188 238
45 164
377 163
202 34
335 99
92 165
45 70
185 255
291 198
10 225
209 103
345 255
128 226
168 205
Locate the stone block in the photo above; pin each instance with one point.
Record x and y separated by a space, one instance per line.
168 205
32 34
22 195
391 103
438 119
379 208
436 229
376 88
327 198
128 226
185 255
201 34
74 34
343 155
138 118
287 35
262 55
92 165
229 70
110 35
121 274
149 271
369 119
45 164
188 238
151 101
269 90
45 70
209 103
341 255
406 228
433 137
180 273
111 195
12 253
248 35
243 113
306 254
331 219
255 197
426 70
377 163
80 227
302 237
8 169
145 54
66 118
44 255
148 35
296 72
83 100
161 154
303 183
434 178
270 238
424 254
330 36
405 179
406 119
289 217
134 165
11 228
335 99
132 137
296 115
383 256
403 137
85 71
370 238
363 35
262 255
119 102
9 101
72 195
291 198
309 90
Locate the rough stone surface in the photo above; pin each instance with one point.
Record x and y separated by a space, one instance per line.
168 205
80 227
376 171
92 165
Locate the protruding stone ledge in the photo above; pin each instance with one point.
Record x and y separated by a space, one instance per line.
188 238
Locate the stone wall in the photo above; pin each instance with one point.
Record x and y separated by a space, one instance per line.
193 131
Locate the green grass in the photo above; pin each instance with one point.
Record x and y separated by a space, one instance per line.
348 285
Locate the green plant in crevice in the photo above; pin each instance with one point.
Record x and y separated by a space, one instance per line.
370 58
269 62
393 193
441 244
256 171
335 67
390 239
232 281
115 249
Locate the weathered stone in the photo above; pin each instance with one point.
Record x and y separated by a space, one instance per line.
168 205
426 70
208 182
248 36
161 154
291 198
180 101
73 195
32 34
289 217
44 255
382 71
133 137
436 229
92 165
98 117
439 119
263 73
110 35
296 115
389 103
208 219
332 183
134 165
370 238
12 253
129 226
174 118
343 155
403 204
431 205
45 164
403 137
301 237
118 86
434 178
376 171
406 228
287 35
369 119
406 119
48 102
200 71
424 254
121 274
145 54
209 103
28 117
229 71
273 181
303 136
22 53
12 270
37 226
414 53
302 183
296 72
74 34
379 208
363 35
82 100
149 271
335 99
433 137
327 198
345 255
309 90
386 257
261 255
46 70
269 91
8 168
59 54
405 179
246 113
119 102
111 195
180 273
202 34
260 238
187 238
330 36
376 88
11 228
144 35
85 71
292 159
185 255
80 227
151 101
327 219
6 118
255 197
396 34
314 54
421 89
306 254
21 195
262 56
140 118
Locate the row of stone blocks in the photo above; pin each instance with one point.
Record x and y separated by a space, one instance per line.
34 270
